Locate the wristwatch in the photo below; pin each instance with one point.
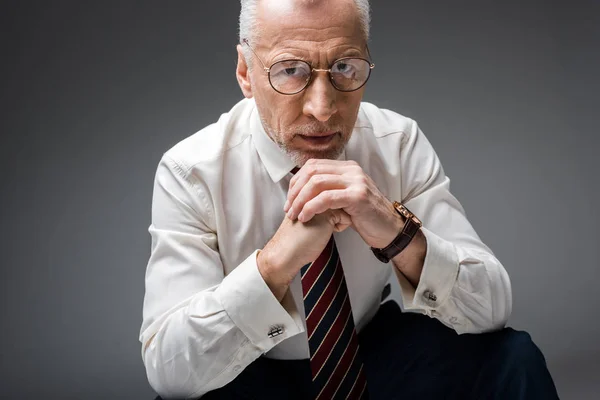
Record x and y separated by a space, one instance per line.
412 224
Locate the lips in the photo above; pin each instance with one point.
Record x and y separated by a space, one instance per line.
320 138
322 134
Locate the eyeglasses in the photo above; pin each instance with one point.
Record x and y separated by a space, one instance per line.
293 76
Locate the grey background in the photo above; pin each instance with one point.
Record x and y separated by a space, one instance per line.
93 92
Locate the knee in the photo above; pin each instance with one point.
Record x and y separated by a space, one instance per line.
518 351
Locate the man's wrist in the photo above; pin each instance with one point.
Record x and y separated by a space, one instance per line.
410 261
395 224
271 274
411 227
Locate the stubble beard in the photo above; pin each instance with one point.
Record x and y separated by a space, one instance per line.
300 157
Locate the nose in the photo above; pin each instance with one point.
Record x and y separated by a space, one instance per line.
320 97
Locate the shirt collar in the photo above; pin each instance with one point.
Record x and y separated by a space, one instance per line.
275 160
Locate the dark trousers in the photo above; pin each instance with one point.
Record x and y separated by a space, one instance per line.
412 356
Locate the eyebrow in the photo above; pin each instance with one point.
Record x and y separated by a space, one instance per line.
350 53
288 56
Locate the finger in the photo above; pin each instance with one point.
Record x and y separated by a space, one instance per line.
316 167
341 220
308 171
315 185
328 200
324 166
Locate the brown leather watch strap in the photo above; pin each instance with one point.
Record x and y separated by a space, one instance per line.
411 226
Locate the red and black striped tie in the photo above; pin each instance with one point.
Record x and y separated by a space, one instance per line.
337 369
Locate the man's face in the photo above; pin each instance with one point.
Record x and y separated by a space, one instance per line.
317 122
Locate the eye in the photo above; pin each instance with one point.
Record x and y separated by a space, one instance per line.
342 66
345 67
349 74
290 69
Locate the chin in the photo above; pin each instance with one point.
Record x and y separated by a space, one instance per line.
301 157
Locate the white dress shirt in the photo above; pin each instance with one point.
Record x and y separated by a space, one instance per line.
218 198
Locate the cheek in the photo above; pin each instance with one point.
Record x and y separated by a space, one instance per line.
351 100
283 110
348 106
289 109
264 100
278 111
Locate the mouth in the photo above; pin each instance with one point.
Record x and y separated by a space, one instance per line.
319 138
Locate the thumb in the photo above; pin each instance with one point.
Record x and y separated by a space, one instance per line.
340 220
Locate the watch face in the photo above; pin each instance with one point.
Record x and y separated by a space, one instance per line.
406 213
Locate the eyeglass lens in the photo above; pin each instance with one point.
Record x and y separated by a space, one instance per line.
291 76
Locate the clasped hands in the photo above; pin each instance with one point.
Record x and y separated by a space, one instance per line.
329 185
325 196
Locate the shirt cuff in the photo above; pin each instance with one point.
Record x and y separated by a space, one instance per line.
255 310
439 274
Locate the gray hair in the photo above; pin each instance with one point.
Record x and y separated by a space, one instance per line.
248 21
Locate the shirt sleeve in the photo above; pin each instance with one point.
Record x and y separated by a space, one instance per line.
201 328
462 283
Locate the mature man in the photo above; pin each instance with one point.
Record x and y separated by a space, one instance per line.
275 230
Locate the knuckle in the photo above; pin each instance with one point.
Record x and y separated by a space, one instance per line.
363 180
317 204
311 208
317 180
311 169
322 199
358 169
361 193
333 195
320 182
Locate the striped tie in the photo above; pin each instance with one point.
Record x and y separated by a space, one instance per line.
337 369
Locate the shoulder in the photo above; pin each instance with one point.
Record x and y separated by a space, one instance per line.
382 122
215 140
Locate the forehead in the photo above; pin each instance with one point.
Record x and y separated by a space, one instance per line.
317 25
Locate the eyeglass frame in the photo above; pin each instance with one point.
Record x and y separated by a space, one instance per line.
308 82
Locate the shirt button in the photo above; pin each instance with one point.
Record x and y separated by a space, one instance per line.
429 295
237 368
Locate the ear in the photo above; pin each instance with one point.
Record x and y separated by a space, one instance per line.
242 74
